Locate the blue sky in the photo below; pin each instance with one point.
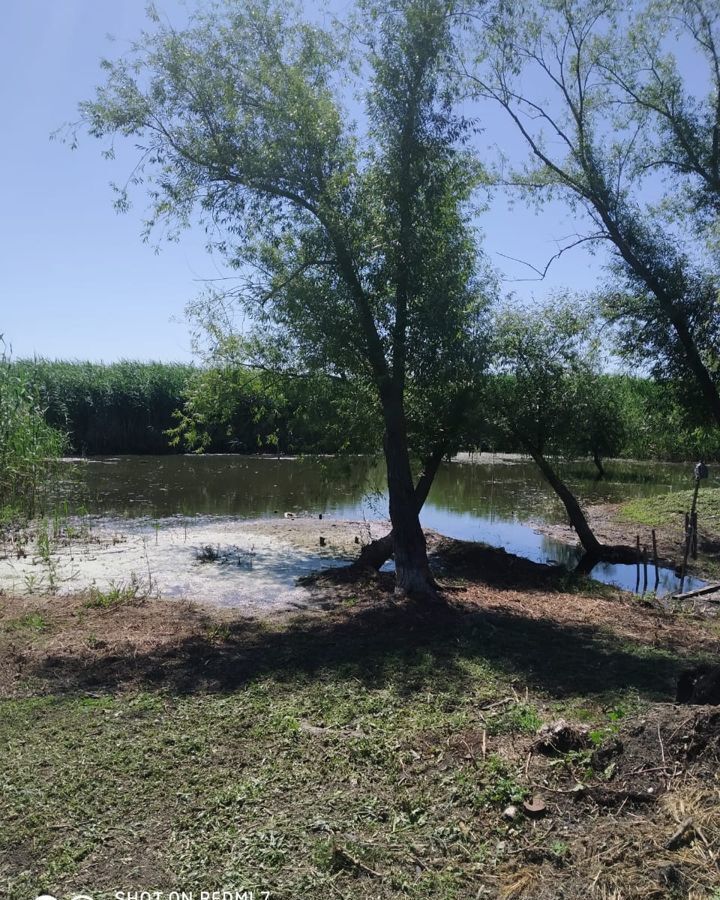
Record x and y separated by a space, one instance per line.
76 280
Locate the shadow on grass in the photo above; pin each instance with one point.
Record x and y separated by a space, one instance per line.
382 644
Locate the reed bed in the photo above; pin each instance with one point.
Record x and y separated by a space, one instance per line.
133 407
29 446
153 407
123 407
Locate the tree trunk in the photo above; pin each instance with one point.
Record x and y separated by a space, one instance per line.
599 466
590 543
379 551
412 571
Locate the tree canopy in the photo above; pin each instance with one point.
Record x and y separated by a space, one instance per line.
352 246
614 127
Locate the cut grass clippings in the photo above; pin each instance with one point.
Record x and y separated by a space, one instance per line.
370 751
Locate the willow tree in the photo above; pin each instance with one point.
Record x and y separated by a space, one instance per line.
350 242
615 128
548 396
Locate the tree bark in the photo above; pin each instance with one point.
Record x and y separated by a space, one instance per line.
379 551
593 548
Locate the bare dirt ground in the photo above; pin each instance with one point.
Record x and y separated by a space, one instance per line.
609 528
78 632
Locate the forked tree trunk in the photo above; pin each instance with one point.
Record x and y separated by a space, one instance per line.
379 551
412 571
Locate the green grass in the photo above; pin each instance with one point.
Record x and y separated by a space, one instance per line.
669 509
30 622
301 781
118 593
212 791
368 755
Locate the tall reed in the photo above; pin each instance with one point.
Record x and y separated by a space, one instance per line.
28 445
122 407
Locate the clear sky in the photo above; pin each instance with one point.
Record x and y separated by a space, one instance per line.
76 280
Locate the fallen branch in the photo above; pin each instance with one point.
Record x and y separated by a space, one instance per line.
708 589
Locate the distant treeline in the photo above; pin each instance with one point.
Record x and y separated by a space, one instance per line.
138 407
134 407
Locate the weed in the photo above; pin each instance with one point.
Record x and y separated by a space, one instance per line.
207 553
217 632
30 622
120 593
521 717
501 784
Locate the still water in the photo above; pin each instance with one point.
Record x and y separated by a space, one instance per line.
488 498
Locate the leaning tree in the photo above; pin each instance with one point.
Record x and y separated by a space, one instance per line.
616 127
547 394
350 241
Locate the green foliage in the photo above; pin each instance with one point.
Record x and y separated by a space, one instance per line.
615 125
548 392
236 409
520 717
120 593
124 407
28 445
159 407
502 785
30 622
659 423
353 251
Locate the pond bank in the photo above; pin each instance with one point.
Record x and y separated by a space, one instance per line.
254 565
624 523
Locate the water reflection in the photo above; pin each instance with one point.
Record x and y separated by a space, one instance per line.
486 500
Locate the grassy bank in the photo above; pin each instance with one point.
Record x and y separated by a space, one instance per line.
367 751
670 509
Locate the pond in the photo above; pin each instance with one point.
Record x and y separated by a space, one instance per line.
490 498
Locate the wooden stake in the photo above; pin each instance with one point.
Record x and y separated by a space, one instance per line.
655 560
688 534
694 540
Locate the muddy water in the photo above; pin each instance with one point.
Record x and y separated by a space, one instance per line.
491 498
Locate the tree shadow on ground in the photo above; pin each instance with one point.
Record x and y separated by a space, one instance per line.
383 643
